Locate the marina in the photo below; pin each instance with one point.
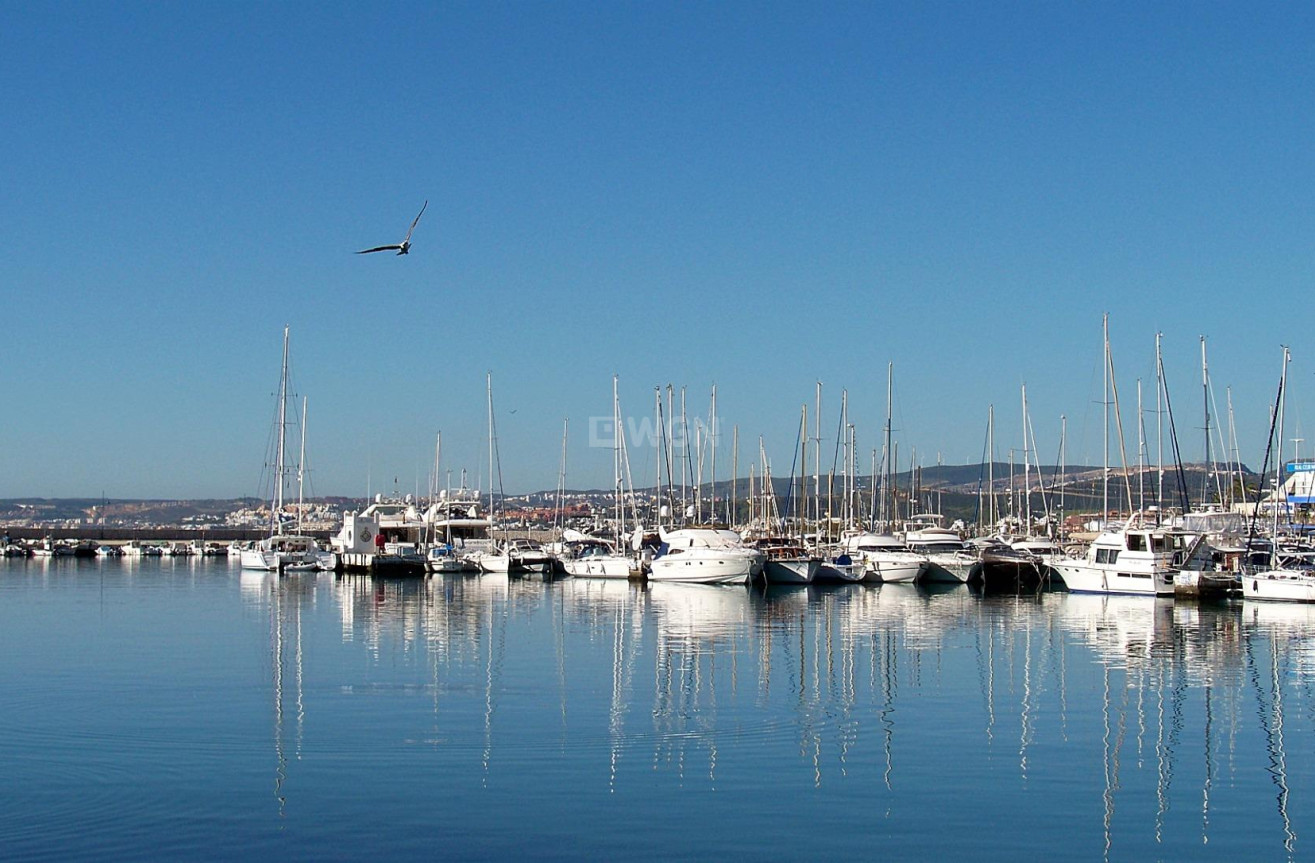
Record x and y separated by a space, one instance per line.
660 431
179 706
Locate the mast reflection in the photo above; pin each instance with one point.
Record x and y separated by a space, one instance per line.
842 684
284 597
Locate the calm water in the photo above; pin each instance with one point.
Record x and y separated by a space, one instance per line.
185 709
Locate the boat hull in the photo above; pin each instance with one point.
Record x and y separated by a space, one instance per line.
1080 577
1008 569
1279 587
896 571
800 571
839 573
692 569
948 568
1206 584
598 566
516 564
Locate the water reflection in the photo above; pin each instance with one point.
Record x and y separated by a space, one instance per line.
830 685
283 597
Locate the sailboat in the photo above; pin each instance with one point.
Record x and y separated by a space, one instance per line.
1276 582
279 550
880 556
590 556
1134 558
709 554
513 556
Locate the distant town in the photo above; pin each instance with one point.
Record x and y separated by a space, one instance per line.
955 491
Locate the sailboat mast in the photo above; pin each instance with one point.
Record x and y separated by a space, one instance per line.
1027 474
1159 430
872 492
488 385
1063 470
1205 406
1234 458
1278 461
844 480
558 520
438 478
731 512
301 470
889 483
817 462
280 457
1141 447
993 519
712 442
894 491
661 453
619 513
1105 405
685 465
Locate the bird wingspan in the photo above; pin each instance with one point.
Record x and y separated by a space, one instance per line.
416 221
378 249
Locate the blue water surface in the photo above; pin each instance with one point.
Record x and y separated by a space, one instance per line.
183 709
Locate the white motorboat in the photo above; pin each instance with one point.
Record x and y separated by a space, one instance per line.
443 559
1134 559
50 548
949 560
705 555
586 556
516 557
883 557
133 548
459 531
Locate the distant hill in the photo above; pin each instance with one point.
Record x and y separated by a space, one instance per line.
953 489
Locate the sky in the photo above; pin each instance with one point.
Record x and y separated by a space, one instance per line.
759 196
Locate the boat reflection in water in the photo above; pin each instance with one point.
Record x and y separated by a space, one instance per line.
1153 727
283 597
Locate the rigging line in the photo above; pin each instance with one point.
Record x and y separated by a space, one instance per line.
1030 429
981 470
1173 438
789 495
1264 469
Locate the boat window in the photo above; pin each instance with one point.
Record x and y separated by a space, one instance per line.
1102 555
1136 542
1159 543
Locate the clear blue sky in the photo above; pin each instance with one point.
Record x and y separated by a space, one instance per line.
757 195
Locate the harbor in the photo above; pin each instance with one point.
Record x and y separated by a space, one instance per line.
657 431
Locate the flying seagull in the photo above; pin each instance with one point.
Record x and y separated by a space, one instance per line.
402 247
